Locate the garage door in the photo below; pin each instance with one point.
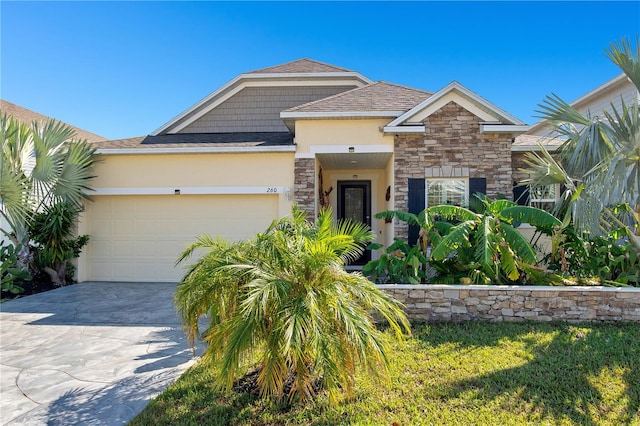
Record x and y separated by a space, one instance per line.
139 238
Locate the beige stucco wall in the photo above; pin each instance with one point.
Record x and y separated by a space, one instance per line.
379 182
345 132
208 182
166 170
336 136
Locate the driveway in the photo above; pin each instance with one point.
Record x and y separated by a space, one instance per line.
91 353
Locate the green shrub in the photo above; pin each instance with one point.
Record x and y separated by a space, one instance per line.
54 244
11 274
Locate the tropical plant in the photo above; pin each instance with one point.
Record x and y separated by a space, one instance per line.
400 263
11 275
487 244
599 163
54 244
483 246
40 165
284 300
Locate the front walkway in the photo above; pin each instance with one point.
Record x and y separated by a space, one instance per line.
90 354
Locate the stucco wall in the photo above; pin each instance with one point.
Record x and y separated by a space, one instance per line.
517 303
224 169
340 132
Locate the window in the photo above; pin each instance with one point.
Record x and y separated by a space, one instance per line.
453 191
544 196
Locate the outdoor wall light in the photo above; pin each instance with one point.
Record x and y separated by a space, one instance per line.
352 149
287 193
176 192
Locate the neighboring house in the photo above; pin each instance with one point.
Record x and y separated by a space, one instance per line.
303 132
27 116
615 92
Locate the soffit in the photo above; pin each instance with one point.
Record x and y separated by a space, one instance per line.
354 161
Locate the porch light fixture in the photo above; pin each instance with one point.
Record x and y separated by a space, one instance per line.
176 192
352 149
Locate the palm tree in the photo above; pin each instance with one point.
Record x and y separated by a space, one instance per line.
40 165
599 163
284 300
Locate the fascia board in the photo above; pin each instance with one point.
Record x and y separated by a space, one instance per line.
503 128
322 79
403 129
194 150
341 114
529 148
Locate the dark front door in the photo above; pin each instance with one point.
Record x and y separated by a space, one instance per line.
354 202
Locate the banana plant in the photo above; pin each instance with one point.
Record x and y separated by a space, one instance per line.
487 243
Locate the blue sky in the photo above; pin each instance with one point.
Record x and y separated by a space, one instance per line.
122 69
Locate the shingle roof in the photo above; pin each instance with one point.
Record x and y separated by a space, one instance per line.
380 96
196 140
300 66
27 116
532 141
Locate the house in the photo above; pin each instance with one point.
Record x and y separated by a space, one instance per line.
612 94
27 116
304 132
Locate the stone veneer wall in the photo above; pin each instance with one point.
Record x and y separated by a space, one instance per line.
304 185
452 140
517 303
517 163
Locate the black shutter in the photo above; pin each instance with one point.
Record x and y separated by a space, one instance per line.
477 185
521 194
416 205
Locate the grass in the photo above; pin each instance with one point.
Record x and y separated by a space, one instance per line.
458 374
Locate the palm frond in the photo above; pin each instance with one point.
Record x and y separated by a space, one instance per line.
626 58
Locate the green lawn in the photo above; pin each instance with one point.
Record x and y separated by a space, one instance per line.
461 374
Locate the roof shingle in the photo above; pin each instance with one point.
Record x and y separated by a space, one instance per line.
380 96
201 140
27 116
300 66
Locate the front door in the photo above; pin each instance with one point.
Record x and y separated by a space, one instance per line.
354 202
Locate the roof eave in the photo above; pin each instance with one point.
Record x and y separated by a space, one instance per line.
195 150
339 114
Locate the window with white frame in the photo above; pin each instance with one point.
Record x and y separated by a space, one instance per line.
451 191
544 196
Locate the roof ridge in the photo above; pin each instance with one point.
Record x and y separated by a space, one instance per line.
275 68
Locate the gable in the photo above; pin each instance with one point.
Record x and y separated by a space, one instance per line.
491 118
257 109
314 76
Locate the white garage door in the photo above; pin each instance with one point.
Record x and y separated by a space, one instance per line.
139 238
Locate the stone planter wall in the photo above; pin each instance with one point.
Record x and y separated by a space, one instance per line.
517 303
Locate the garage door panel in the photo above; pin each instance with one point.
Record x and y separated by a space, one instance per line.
139 238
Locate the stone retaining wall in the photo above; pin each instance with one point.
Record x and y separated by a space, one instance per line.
517 303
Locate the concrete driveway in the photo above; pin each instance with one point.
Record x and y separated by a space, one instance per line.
91 353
